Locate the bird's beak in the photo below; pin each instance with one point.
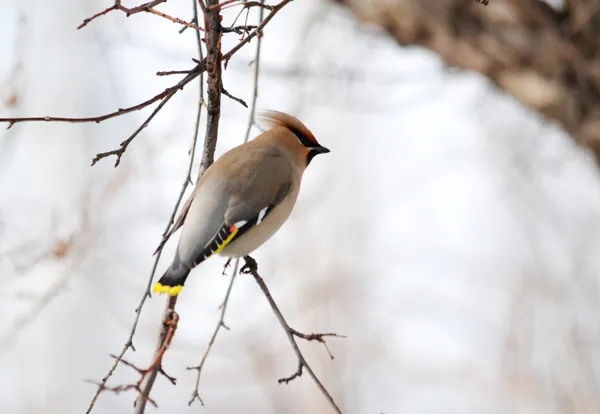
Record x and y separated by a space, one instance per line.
322 150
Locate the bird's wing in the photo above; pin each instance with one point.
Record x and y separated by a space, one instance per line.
178 222
260 186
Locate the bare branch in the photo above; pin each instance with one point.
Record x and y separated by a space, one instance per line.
168 93
221 323
214 85
246 4
191 25
251 267
255 79
170 328
193 73
173 72
146 295
146 7
274 10
238 29
234 98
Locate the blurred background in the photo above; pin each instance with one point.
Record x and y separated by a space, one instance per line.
452 234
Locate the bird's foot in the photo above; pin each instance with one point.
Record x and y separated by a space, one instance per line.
227 263
250 266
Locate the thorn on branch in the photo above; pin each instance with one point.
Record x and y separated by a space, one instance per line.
230 96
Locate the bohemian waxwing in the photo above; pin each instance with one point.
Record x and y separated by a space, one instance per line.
243 198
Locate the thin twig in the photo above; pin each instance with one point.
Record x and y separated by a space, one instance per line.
191 25
213 55
170 328
119 112
246 4
123 146
221 324
234 98
146 7
173 72
193 73
129 343
274 10
255 81
170 307
251 268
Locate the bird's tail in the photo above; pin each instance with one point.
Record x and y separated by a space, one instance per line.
172 281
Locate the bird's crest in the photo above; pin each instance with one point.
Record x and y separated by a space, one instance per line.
279 119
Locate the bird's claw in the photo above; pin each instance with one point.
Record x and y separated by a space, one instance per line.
249 266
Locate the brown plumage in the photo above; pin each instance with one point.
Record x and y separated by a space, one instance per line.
243 198
276 119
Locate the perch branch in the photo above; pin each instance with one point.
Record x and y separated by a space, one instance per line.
251 268
213 46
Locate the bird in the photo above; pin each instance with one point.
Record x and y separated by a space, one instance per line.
242 199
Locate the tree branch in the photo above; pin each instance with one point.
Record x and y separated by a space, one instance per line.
251 267
170 307
191 75
210 141
167 94
146 7
545 57
221 323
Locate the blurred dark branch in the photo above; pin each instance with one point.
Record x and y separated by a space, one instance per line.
251 268
547 58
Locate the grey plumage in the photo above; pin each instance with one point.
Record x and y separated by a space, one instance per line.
242 199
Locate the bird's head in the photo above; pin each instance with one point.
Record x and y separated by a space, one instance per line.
300 140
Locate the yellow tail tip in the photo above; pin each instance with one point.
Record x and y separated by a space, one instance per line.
169 290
